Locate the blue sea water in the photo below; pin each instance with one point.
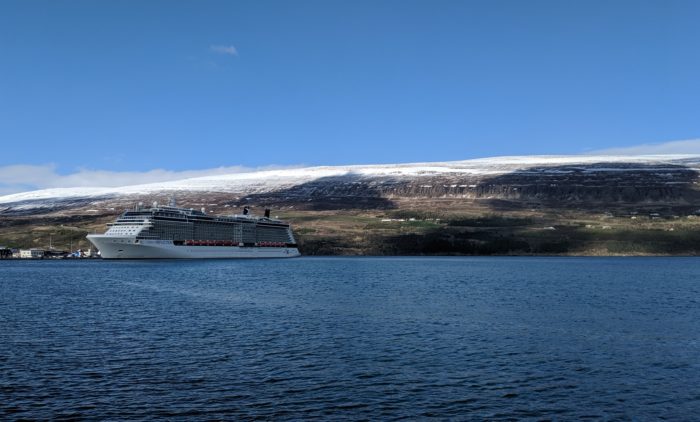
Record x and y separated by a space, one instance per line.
351 338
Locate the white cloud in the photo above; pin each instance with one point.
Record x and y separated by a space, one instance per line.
228 50
690 146
22 174
22 178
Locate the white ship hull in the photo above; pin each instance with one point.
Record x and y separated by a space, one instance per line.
128 247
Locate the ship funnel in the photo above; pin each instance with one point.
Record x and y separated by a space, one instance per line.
267 212
172 202
245 210
155 204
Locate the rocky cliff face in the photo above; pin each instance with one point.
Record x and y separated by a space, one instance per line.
564 186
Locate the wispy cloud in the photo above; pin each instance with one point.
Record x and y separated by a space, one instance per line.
228 50
690 146
22 178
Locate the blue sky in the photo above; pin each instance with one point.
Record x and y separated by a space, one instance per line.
132 86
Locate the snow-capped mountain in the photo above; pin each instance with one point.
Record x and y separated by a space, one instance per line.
504 176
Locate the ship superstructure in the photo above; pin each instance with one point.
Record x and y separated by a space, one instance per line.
172 232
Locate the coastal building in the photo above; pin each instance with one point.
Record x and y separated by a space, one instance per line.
31 253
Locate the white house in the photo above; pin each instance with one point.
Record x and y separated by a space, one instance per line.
31 253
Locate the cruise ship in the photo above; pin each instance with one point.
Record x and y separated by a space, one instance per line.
172 232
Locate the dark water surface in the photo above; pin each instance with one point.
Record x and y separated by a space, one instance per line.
351 338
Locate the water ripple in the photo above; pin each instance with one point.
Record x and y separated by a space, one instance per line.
351 338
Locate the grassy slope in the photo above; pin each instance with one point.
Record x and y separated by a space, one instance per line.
475 232
452 228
